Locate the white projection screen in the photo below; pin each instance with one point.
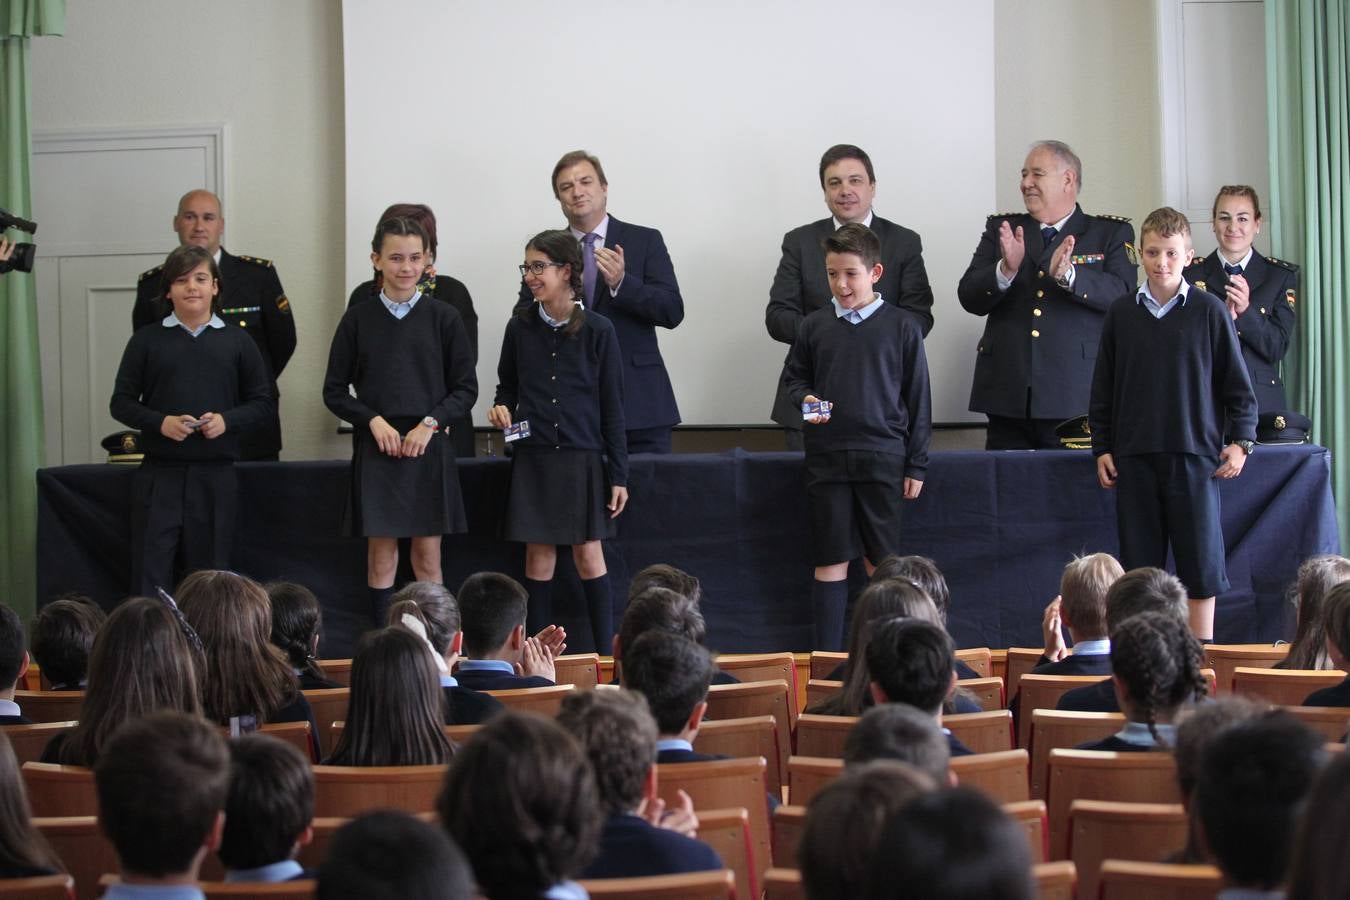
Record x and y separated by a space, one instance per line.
710 119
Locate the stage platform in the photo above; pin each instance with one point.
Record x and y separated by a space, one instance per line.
1000 525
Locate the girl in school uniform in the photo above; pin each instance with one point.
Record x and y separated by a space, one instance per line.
413 371
560 381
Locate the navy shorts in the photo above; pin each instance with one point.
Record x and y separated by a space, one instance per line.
1172 496
854 499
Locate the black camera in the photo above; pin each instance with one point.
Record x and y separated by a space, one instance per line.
23 255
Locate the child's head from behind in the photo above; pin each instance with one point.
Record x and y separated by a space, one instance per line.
296 620
270 803
853 264
436 607
1338 624
394 717
924 572
61 637
520 800
13 649
1145 589
669 577
1317 575
389 855
161 783
1165 250
901 733
491 607
399 253
1082 591
656 608
673 673
1156 664
618 735
911 661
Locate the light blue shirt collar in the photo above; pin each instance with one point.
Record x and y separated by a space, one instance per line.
399 310
486 665
1092 648
601 231
566 890
172 320
269 874
554 323
859 315
1146 299
448 681
9 708
1137 733
154 892
673 744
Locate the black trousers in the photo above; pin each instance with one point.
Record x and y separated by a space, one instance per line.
182 520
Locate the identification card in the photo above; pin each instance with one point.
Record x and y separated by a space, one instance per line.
517 431
818 408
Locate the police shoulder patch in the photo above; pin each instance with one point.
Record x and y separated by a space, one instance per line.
256 260
151 273
1113 218
1010 215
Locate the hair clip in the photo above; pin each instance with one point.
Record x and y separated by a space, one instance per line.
414 624
188 631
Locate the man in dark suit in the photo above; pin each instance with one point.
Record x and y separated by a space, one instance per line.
800 286
628 278
1043 279
251 297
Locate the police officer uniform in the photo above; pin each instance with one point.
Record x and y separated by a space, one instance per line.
251 297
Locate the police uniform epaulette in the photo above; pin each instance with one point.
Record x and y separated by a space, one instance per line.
1292 267
256 260
1197 261
1007 215
1113 218
151 273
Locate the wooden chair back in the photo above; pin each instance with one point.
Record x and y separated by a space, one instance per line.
298 890
29 741
818 689
1283 687
728 832
823 736
1331 722
1091 775
788 822
757 698
312 854
294 733
990 731
722 784
1225 658
50 706
43 887
981 659
329 706
546 701
1043 692
1032 817
763 667
1056 881
741 738
824 662
1020 661
60 790
1101 829
461 733
34 680
716 885
339 670
1129 880
1003 776
1053 729
82 848
783 884
987 692
808 774
579 669
347 791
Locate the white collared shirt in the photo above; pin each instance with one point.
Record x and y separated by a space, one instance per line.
400 308
553 323
1146 299
1241 264
172 320
860 314
867 221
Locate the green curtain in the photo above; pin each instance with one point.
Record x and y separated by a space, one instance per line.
21 450
1308 93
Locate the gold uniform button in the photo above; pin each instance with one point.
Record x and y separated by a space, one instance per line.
1263 310
1040 274
1035 333
1035 312
243 324
1040 294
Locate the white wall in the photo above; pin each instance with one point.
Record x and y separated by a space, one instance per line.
273 73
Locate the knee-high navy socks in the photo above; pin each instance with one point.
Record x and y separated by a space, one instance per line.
600 608
379 604
829 599
539 613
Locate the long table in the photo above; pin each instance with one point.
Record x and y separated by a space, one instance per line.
1000 525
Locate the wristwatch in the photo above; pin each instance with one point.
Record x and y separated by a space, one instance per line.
431 423
1246 446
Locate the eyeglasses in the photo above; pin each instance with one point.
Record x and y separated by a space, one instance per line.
537 267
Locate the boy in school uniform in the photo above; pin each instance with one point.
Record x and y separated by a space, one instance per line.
912 661
673 674
1169 369
269 811
869 450
13 666
499 654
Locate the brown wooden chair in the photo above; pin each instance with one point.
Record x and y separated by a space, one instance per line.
1225 658
579 669
1129 880
1031 816
339 670
50 706
1331 722
29 741
1101 829
43 887
998 665
757 698
788 822
722 784
347 791
1020 661
293 889
1282 687
461 733
1092 775
546 701
823 736
824 662
1053 729
294 733
740 738
987 692
818 689
981 659
60 790
1056 881
1003 776
728 832
763 667
990 731
82 848
33 680
329 706
1043 692
716 885
808 774
783 884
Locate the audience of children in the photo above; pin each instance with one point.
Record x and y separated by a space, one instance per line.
500 656
13 665
60 638
1317 575
618 735
388 855
395 714
900 733
24 852
269 811
1337 616
297 623
912 661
